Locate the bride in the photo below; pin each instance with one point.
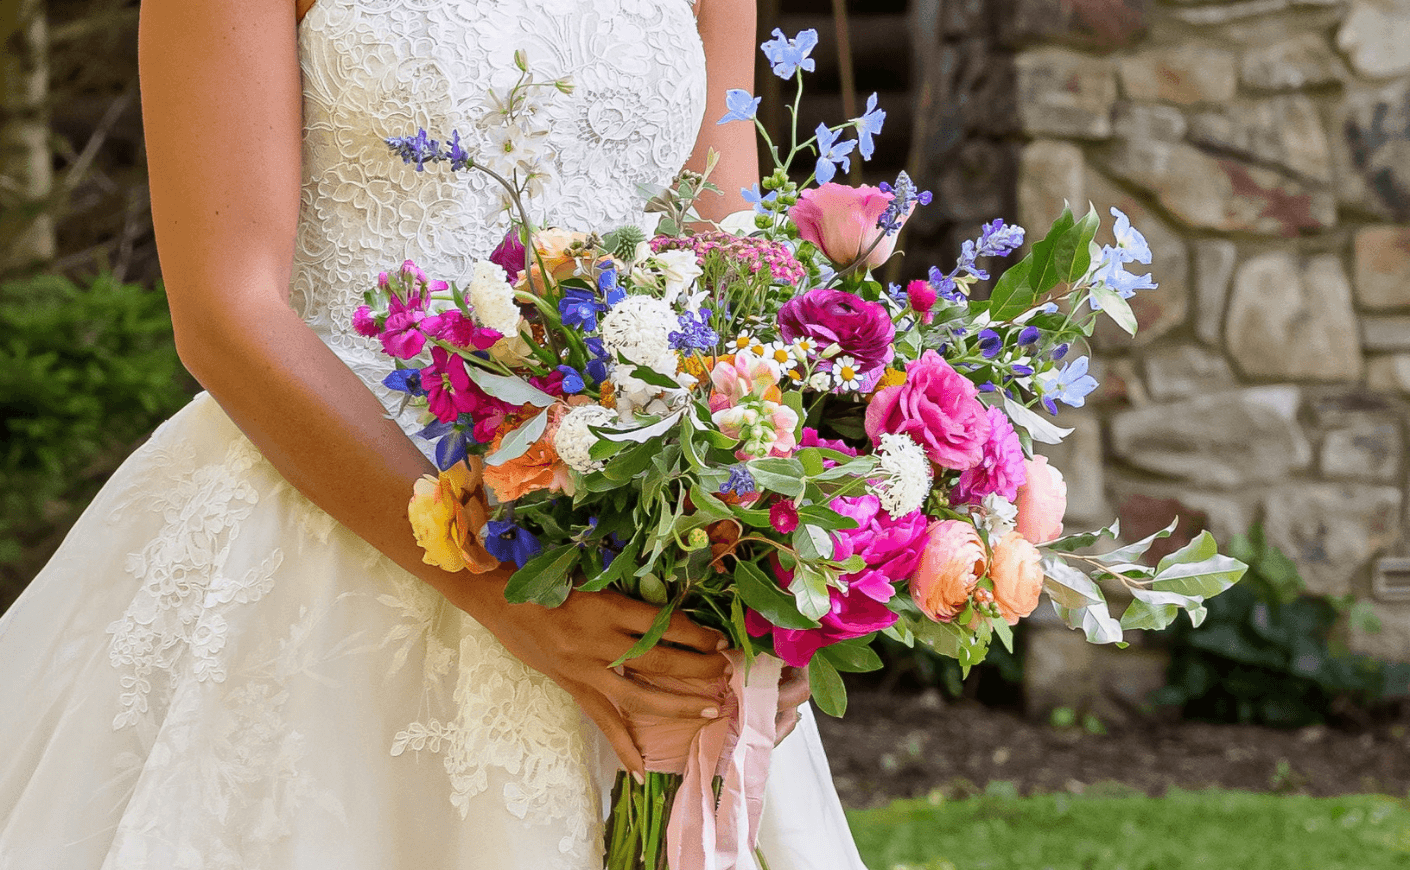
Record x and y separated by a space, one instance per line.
238 659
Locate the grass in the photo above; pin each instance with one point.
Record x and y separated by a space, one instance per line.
1210 830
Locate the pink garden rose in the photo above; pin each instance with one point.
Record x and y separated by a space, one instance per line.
891 547
841 221
1017 571
1000 471
1041 501
936 406
863 330
950 566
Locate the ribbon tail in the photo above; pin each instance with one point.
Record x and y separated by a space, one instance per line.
746 770
691 830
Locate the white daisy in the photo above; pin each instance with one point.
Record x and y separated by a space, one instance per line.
846 375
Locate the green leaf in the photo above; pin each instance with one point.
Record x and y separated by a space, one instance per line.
515 391
650 376
1003 631
1068 586
761 593
518 442
789 483
1198 570
1095 621
1043 276
625 562
829 693
708 505
854 656
544 579
1082 540
812 543
825 518
1132 552
1013 294
652 637
1153 610
944 638
644 433
602 448
809 588
1118 309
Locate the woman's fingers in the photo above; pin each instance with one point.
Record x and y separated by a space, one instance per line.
634 698
671 661
785 723
685 633
601 711
793 688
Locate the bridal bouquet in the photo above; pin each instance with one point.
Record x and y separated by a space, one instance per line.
741 423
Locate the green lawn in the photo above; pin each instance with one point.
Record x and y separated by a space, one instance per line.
1213 830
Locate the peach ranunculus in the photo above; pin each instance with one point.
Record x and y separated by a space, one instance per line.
952 562
555 248
1041 502
447 514
1017 572
841 221
537 468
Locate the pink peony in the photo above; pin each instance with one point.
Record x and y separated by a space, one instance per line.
1001 471
841 221
936 406
850 615
1041 501
1017 572
951 565
863 330
891 547
922 297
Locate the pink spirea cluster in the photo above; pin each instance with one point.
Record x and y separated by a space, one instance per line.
1001 471
754 254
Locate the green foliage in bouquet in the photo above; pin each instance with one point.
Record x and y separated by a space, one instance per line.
1268 651
85 371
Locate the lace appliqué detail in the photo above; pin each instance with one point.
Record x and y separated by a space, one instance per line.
176 622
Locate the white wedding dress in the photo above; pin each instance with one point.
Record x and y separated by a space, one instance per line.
214 673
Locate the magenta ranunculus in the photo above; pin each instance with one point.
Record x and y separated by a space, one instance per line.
891 547
862 329
936 406
850 615
1000 471
509 255
841 221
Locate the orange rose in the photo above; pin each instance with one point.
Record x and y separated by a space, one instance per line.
447 514
1017 572
537 468
952 562
1041 501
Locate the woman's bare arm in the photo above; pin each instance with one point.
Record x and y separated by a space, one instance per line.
727 30
221 101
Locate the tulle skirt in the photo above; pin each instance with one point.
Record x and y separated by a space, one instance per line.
214 673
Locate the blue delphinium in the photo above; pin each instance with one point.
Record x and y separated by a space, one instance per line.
405 381
452 439
740 482
596 367
580 308
990 343
572 380
694 333
608 284
997 239
1070 385
742 106
755 197
787 56
510 543
831 153
869 125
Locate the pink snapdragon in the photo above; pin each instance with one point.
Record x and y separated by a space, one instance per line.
1000 471
746 404
936 406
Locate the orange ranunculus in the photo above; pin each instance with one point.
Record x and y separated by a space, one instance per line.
1017 572
1041 501
447 514
537 468
951 563
552 248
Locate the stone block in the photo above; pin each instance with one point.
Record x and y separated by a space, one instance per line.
1050 174
1101 24
1389 374
1147 506
1159 311
1064 93
1225 440
1364 449
964 18
1293 322
1184 370
1285 132
1148 121
1184 74
1215 14
1079 458
1372 151
1061 669
972 184
1214 270
1383 267
1392 642
1386 333
1220 193
1374 37
1331 530
1302 61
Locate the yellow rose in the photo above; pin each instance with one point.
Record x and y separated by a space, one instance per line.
447 514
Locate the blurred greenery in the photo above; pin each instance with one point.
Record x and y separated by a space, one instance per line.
86 371
1181 831
1269 653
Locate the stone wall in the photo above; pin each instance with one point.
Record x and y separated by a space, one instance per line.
1263 147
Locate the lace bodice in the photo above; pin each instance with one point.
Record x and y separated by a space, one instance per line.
378 68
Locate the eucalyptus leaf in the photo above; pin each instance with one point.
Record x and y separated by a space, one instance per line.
1037 427
515 391
518 442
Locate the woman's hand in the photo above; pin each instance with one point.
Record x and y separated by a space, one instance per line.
793 692
574 643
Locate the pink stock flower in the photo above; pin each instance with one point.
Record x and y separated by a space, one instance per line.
849 615
364 323
951 565
402 335
862 330
447 385
461 331
891 547
1017 572
1042 501
936 406
783 516
1000 471
841 221
922 296
746 404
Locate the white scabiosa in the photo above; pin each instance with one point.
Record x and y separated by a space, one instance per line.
639 328
574 439
493 299
903 475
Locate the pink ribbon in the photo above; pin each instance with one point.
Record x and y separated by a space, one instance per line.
702 834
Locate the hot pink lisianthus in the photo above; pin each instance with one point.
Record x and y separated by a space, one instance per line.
1000 471
509 255
1041 501
863 330
841 221
746 404
936 406
891 547
849 615
950 566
